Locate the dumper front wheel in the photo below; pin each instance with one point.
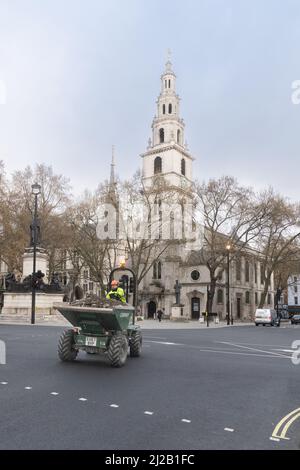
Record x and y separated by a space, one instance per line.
135 344
66 351
117 350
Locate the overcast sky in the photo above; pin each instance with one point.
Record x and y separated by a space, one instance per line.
81 75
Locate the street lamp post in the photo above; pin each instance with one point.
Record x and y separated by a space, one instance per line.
229 315
36 189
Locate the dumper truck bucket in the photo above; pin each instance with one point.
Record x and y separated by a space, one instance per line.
94 319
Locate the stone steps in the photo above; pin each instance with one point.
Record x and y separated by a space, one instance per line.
18 318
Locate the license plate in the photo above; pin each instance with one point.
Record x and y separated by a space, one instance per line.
89 341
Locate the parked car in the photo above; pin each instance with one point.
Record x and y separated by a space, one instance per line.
295 319
266 316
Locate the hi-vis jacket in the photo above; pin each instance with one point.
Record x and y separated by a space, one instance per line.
117 294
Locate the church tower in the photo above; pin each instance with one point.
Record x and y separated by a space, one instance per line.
167 154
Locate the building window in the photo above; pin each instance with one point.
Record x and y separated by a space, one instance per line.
220 296
269 299
256 298
262 273
154 274
85 274
169 83
255 273
247 297
161 135
178 136
157 165
164 109
247 271
165 83
238 267
296 300
183 166
91 286
170 108
85 288
195 275
159 270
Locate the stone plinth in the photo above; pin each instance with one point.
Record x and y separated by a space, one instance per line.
177 313
41 262
19 303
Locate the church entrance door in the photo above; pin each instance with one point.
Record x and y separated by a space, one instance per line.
151 309
195 308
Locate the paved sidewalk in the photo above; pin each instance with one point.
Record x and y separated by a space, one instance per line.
58 320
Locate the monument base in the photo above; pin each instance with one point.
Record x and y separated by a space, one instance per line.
41 261
19 303
177 313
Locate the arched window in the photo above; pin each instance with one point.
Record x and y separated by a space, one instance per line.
161 135
154 275
159 270
172 228
169 83
178 136
220 296
170 108
183 166
164 109
247 271
165 83
157 165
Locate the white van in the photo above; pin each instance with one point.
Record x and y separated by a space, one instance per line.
266 316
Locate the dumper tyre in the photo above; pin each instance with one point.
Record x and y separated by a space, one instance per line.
117 350
135 344
66 351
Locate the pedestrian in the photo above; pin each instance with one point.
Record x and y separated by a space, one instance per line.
159 315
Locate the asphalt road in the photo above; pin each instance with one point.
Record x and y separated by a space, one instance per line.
222 388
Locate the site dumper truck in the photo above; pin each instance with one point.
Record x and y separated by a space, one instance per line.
100 326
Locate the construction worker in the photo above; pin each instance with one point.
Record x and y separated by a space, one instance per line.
116 292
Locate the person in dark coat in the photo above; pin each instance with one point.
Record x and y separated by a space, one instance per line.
159 315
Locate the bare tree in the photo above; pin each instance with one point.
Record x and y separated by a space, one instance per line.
278 236
231 216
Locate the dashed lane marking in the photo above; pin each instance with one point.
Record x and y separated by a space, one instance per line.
82 399
54 393
237 345
148 412
28 388
229 429
113 405
186 420
4 383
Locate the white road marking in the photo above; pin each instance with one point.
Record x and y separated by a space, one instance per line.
168 343
186 420
253 349
223 351
229 429
113 405
4 383
82 399
148 412
274 439
28 388
54 393
285 350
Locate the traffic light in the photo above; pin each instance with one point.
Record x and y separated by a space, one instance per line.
131 285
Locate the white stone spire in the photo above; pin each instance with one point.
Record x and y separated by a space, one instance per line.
167 126
112 168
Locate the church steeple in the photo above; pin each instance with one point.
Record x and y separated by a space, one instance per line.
167 155
112 168
167 127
